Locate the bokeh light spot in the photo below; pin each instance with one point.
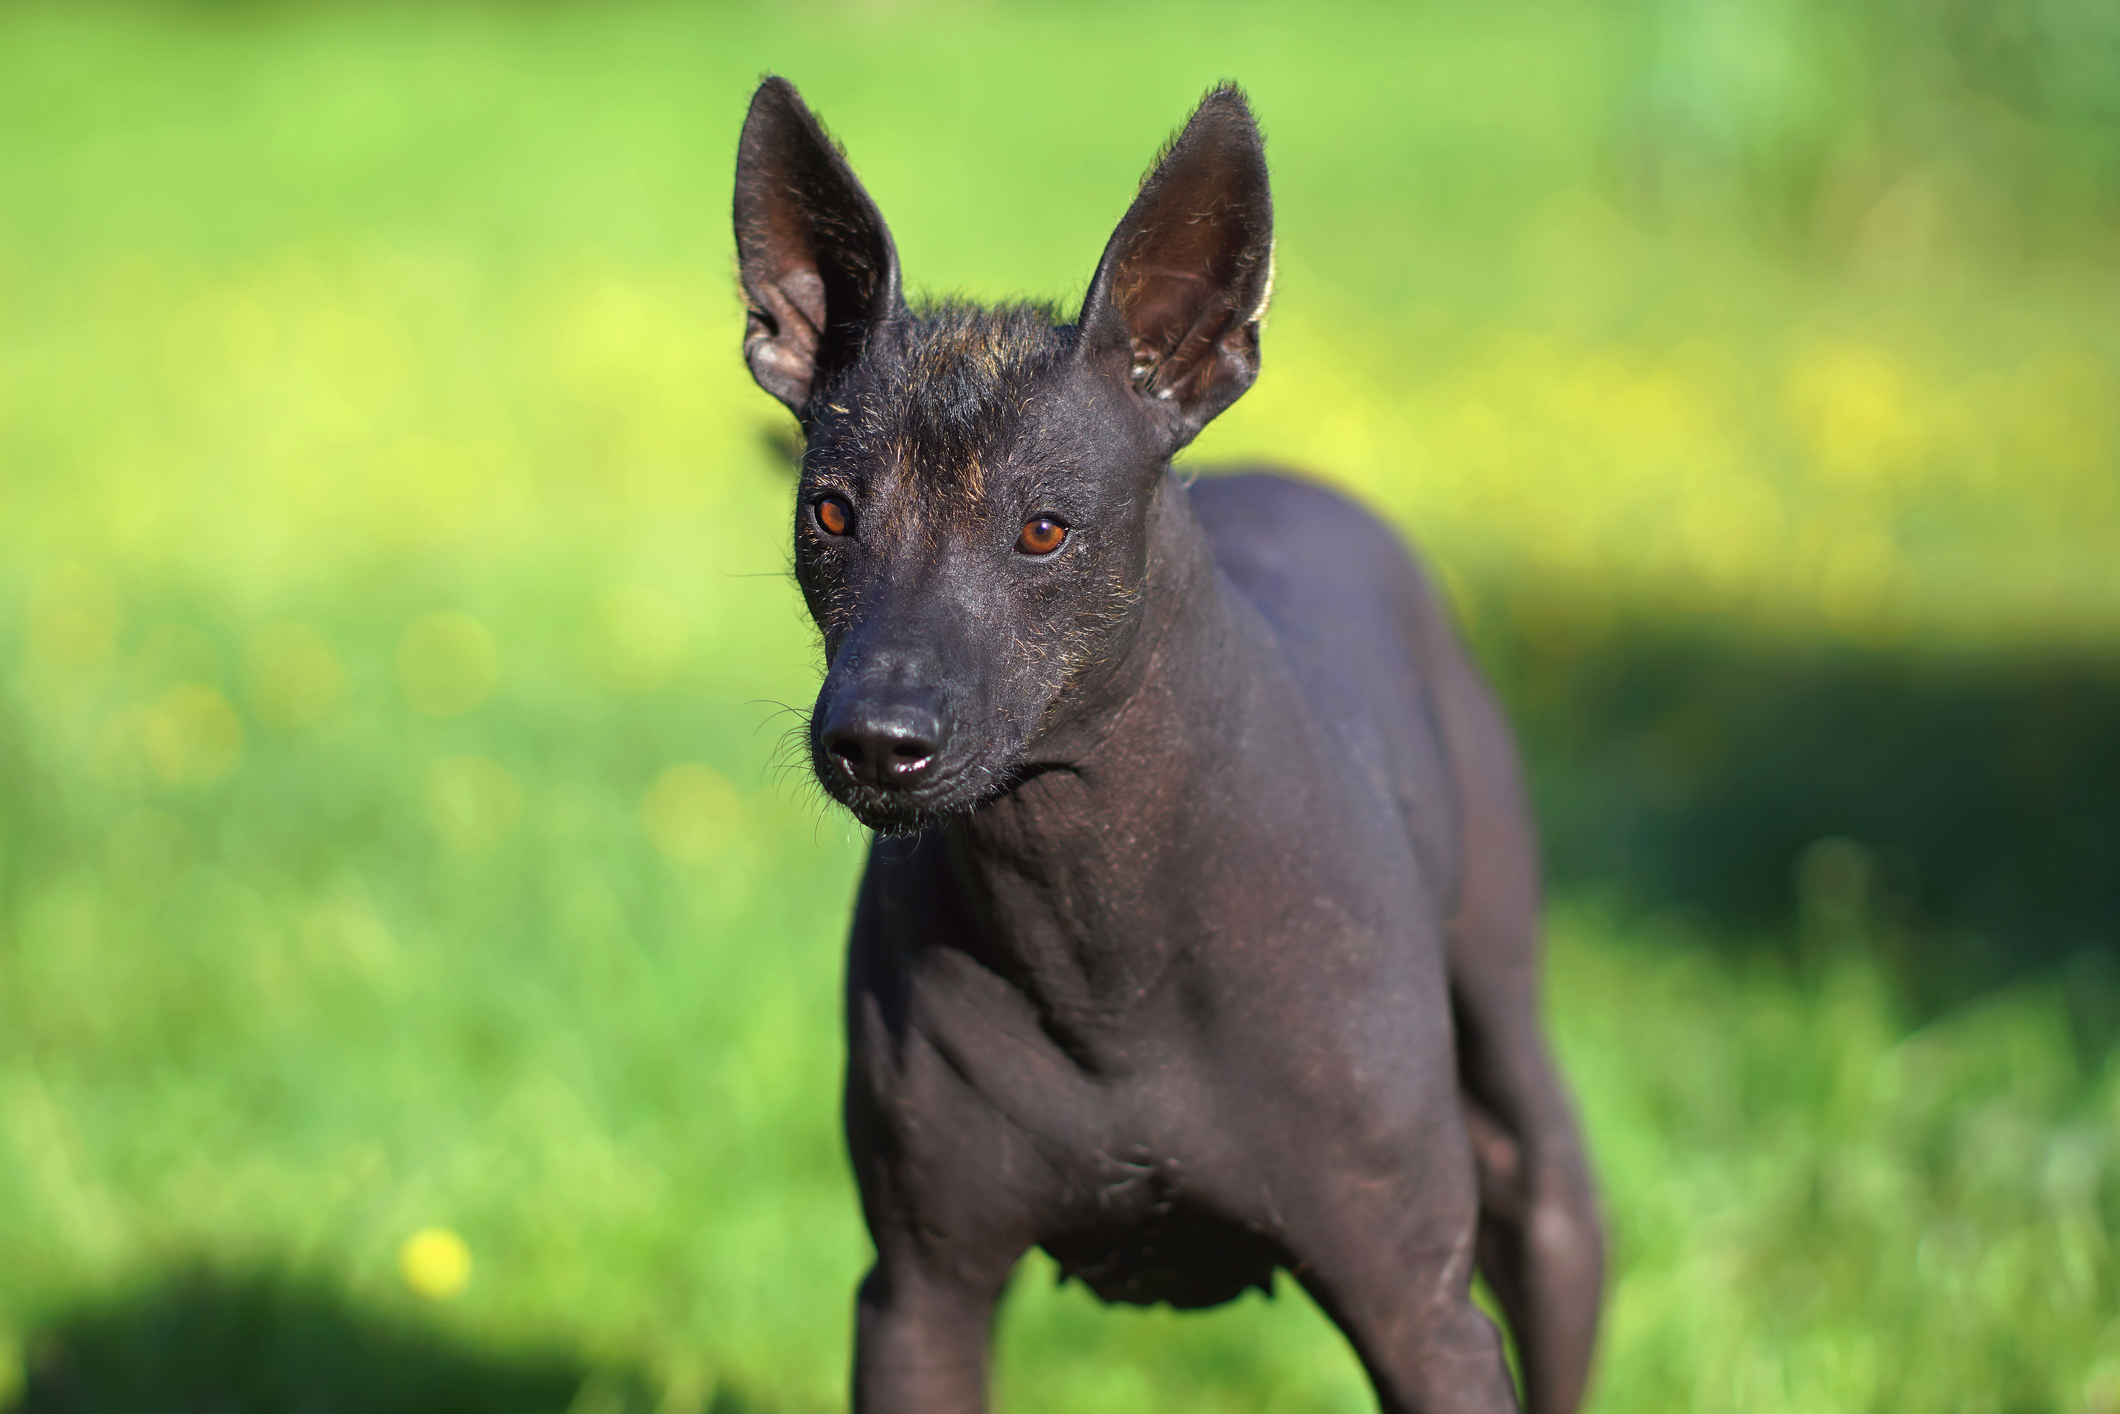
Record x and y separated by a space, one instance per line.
1859 411
1731 527
472 801
295 677
73 618
346 933
638 640
191 735
690 813
171 653
429 491
150 849
447 664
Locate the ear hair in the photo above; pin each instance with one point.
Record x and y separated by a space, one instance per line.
1176 301
818 267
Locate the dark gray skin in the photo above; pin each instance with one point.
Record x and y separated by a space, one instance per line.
1199 936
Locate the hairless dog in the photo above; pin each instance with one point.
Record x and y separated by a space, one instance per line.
1199 937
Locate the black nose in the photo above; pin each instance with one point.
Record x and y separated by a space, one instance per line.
889 742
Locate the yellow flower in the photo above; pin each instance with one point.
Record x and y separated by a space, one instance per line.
436 1263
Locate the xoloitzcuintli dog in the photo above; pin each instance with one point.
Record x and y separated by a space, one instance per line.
1199 934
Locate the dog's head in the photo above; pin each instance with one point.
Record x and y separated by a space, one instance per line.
972 527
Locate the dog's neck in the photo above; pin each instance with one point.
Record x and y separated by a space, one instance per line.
1068 875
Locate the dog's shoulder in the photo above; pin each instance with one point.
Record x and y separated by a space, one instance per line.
1295 547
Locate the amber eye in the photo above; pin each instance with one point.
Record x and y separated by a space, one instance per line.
1041 536
835 515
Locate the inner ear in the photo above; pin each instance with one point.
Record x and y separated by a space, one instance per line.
818 267
1176 301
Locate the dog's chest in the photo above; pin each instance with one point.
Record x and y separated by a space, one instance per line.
1144 1240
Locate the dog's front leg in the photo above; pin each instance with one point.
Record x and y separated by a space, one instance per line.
921 1335
1396 1282
1382 1239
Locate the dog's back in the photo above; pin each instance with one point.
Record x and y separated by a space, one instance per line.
1377 654
1355 617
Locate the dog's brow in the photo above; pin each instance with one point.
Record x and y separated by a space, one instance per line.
945 392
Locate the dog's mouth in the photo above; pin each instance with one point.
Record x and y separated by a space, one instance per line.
945 789
904 759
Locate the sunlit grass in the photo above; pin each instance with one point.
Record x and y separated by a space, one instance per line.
395 832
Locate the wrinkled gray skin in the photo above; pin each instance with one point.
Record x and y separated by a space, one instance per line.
1199 936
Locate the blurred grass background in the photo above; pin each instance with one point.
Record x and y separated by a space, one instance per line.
394 631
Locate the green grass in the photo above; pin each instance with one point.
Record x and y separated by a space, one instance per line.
394 636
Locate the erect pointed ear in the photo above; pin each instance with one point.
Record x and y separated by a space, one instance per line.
818 267
1175 304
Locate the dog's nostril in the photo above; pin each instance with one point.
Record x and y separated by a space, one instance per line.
883 755
890 743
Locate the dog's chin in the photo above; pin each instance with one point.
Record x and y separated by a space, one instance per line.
900 813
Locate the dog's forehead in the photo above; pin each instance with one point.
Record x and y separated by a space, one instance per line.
950 397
